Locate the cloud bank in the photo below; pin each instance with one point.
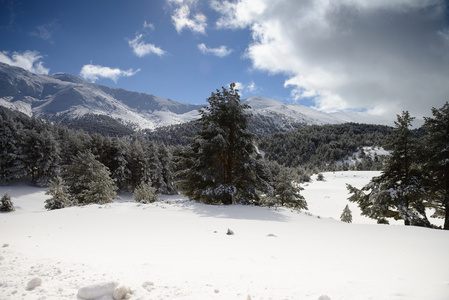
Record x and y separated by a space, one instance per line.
95 72
28 60
381 56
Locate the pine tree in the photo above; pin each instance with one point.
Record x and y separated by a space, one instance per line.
137 159
41 153
12 165
89 180
6 203
397 193
346 216
145 193
436 162
166 160
220 164
287 190
60 195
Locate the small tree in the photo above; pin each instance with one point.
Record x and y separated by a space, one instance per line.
287 191
89 180
60 195
6 203
145 193
346 216
320 177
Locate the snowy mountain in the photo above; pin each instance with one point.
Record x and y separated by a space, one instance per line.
64 96
288 114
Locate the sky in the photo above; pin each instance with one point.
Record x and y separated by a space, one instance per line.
381 57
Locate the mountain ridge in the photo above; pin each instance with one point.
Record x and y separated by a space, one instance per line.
65 96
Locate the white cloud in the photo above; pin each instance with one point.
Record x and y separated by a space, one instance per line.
184 18
244 89
383 56
28 60
141 49
221 51
46 31
95 72
148 25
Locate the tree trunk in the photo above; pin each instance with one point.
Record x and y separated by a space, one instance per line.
446 216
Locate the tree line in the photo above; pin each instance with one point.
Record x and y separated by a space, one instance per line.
38 150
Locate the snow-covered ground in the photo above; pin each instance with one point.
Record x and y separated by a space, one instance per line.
178 249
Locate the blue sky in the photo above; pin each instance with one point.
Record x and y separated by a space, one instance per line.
380 56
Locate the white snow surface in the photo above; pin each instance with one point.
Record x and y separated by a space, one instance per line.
179 249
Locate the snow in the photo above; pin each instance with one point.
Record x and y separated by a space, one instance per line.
179 249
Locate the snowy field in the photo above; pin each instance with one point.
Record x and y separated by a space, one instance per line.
178 249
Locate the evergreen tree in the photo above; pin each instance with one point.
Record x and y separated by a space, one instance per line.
89 180
397 192
137 164
6 203
346 216
166 160
436 162
41 153
287 190
60 195
220 164
12 165
145 193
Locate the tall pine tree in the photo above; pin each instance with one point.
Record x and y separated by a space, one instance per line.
436 162
220 164
397 192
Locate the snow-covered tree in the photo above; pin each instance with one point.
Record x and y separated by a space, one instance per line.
138 164
6 203
145 193
167 172
436 161
89 180
220 164
60 195
287 190
346 216
397 193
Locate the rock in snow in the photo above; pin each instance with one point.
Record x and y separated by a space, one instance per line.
35 282
324 297
97 290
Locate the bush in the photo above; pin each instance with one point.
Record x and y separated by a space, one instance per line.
6 204
320 177
145 193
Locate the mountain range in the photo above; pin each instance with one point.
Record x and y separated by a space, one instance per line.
62 97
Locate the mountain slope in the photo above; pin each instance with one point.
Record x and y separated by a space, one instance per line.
64 96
